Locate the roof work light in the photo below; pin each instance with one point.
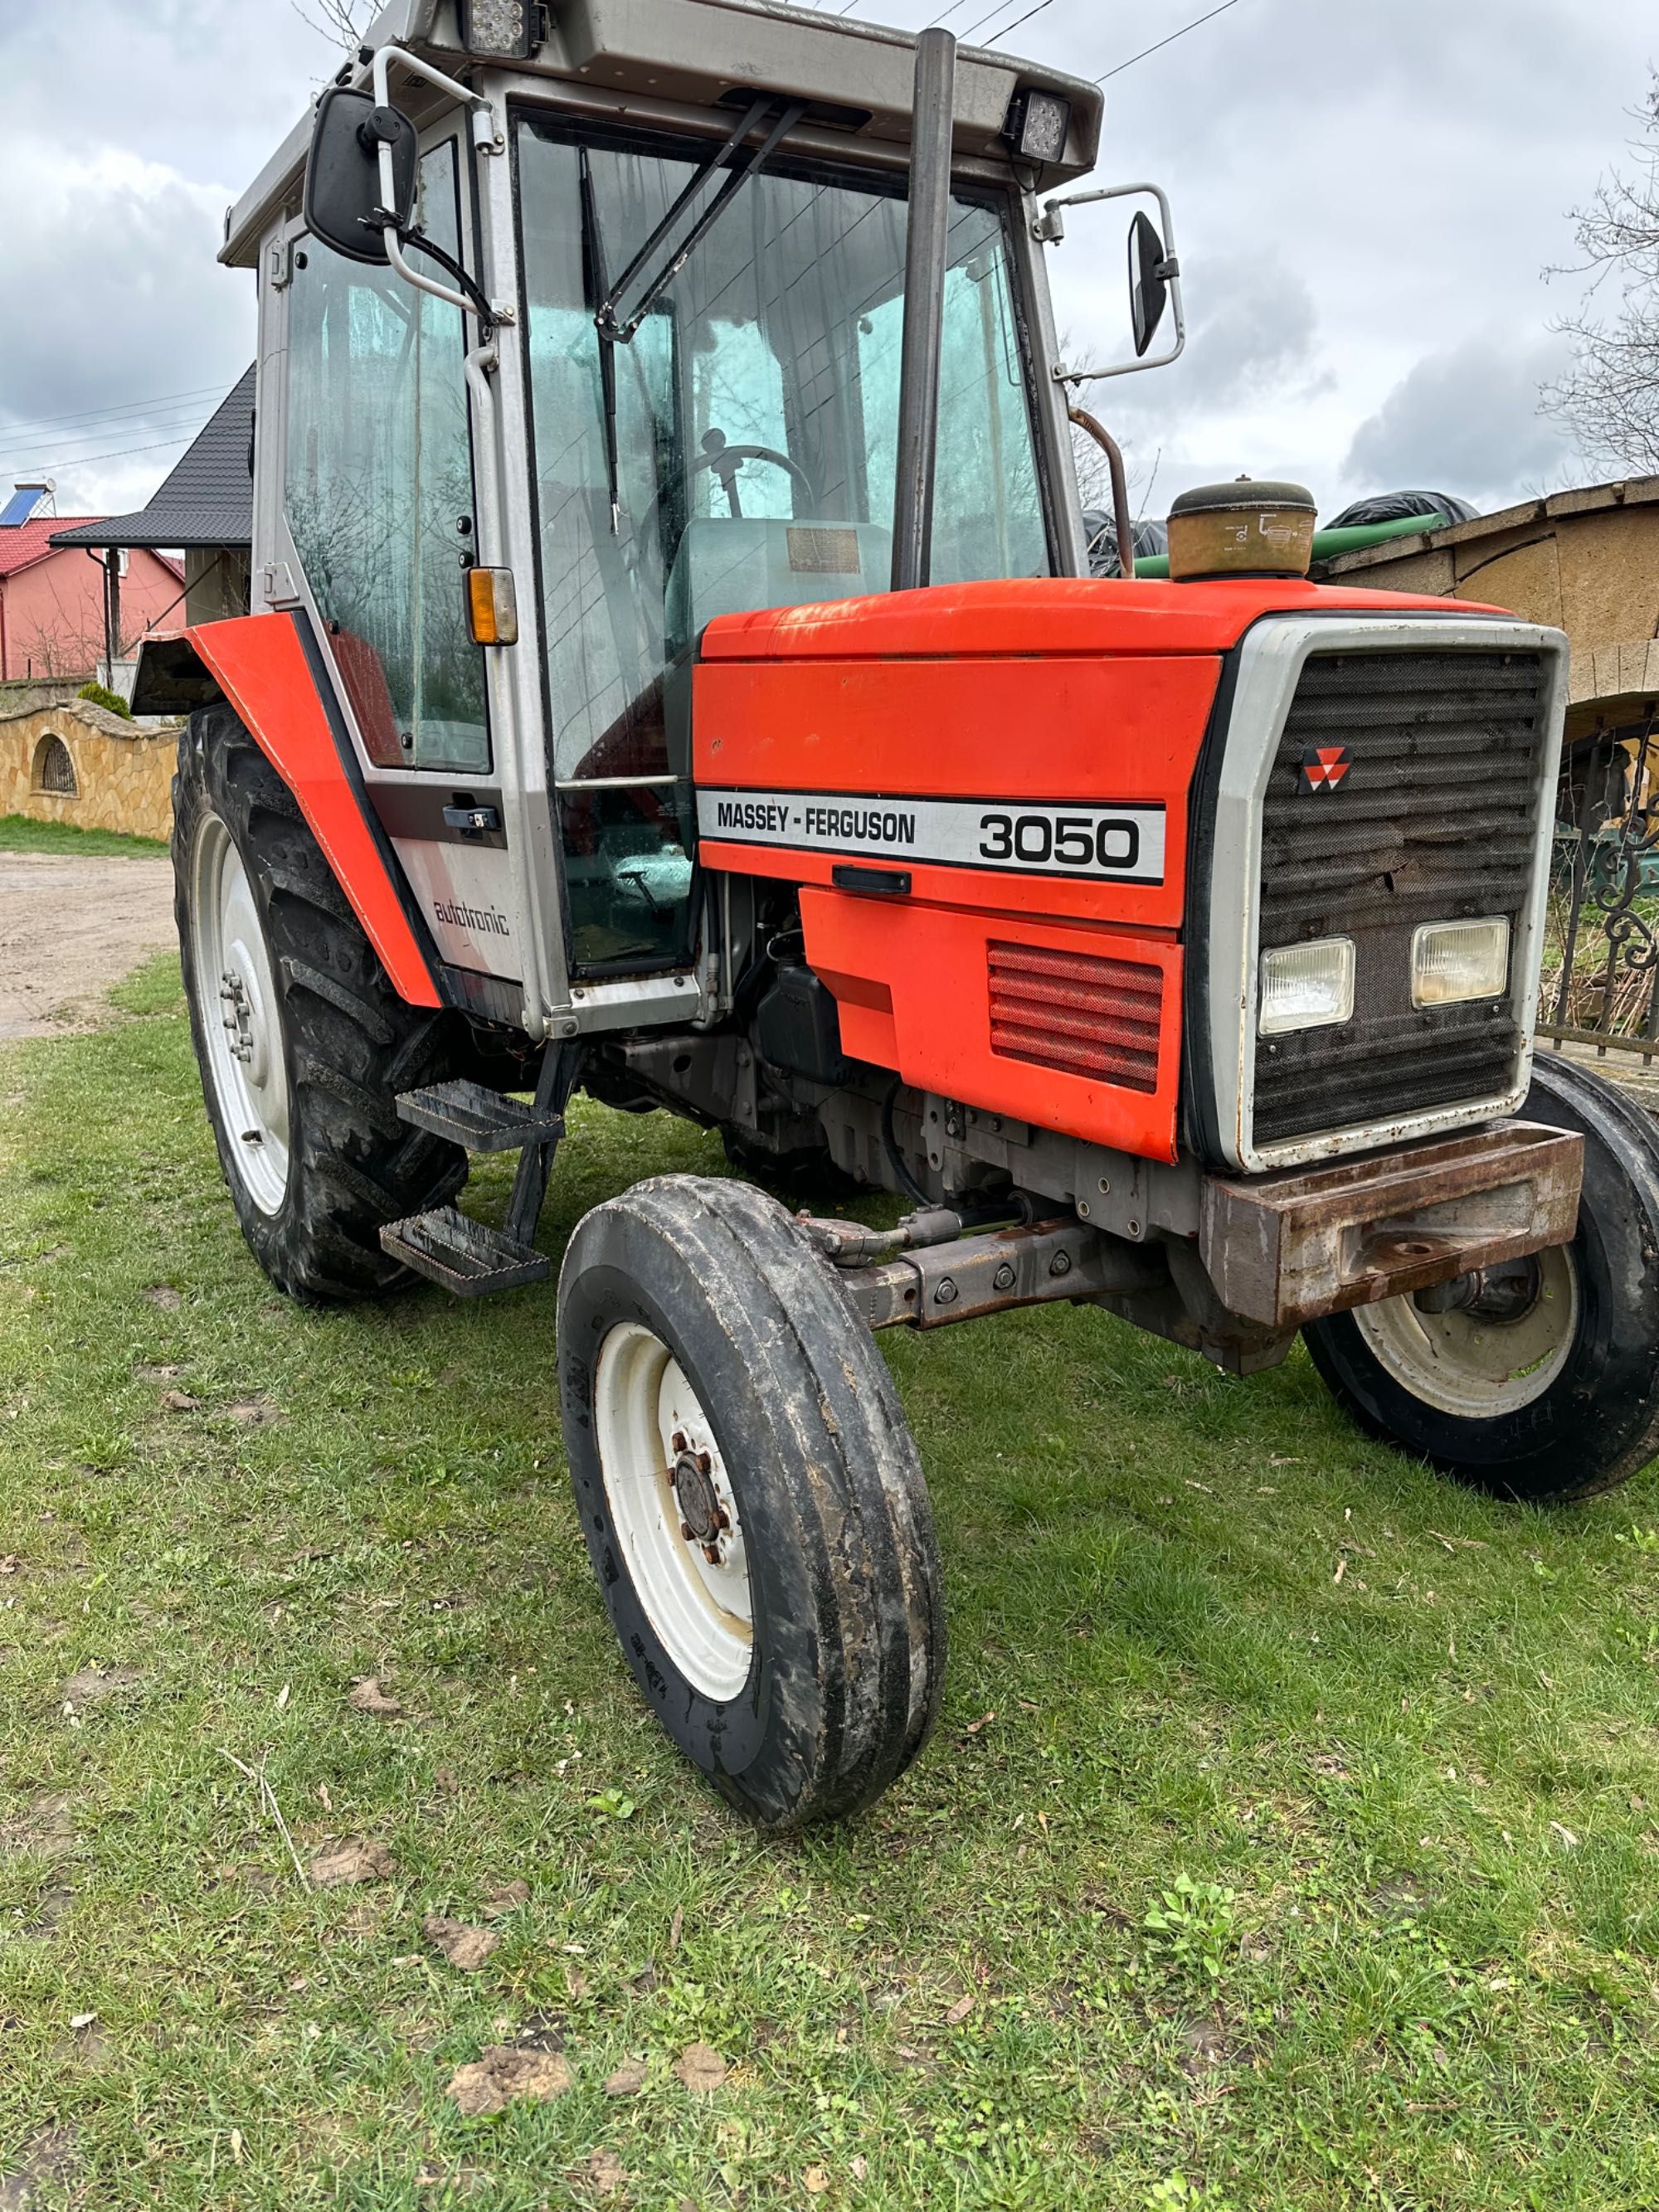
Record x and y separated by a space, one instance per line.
1037 125
505 30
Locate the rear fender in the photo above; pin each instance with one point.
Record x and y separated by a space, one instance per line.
267 668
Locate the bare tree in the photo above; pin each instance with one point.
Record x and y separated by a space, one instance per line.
70 647
1609 397
342 22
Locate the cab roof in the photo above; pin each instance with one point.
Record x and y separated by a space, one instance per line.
673 60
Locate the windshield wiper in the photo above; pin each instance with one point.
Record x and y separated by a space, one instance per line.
593 249
611 326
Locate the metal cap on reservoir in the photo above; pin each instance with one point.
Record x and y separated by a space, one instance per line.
1242 529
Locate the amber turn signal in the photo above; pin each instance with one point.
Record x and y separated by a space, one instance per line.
492 607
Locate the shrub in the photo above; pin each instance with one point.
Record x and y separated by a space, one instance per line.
101 695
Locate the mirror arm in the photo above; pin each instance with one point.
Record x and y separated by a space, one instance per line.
485 137
1050 226
474 298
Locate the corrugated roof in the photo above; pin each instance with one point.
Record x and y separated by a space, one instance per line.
29 542
208 500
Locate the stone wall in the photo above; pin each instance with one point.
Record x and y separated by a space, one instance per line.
77 762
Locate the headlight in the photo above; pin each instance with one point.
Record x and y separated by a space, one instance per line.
1307 987
1452 961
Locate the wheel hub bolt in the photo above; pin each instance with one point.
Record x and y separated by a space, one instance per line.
239 1021
702 1516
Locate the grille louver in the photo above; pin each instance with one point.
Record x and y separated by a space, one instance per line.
1433 820
1077 1013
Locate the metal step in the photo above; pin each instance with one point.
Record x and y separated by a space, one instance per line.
462 1254
483 1121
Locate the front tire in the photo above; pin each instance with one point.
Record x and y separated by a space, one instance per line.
302 1043
1547 1389
752 1499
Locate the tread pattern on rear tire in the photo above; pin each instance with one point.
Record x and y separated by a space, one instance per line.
352 1043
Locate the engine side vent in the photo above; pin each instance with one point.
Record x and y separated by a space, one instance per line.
1077 1013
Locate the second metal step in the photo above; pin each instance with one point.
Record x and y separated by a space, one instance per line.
482 1121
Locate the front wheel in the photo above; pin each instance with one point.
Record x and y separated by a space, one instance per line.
1538 1381
752 1498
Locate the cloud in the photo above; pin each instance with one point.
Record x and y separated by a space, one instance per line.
1252 323
1254 328
115 301
1466 420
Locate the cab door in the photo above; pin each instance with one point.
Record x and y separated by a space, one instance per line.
375 531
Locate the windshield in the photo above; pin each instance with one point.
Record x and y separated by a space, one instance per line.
738 454
756 420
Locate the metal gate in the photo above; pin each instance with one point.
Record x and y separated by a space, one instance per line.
1601 944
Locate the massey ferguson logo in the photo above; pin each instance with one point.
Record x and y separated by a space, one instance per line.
1323 767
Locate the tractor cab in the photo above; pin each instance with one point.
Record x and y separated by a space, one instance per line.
610 303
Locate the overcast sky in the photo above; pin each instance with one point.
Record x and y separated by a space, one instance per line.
1366 193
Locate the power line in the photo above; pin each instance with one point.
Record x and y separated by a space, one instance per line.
33 456
1169 41
84 460
30 423
1014 26
14 436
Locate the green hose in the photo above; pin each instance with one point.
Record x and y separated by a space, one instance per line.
1327 544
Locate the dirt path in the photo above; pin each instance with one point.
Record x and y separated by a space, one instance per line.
71 927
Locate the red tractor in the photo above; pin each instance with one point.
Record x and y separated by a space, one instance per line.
674 674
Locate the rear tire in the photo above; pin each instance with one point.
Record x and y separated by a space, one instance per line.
1573 1381
302 1043
752 1499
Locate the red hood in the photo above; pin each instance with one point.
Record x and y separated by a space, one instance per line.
1039 616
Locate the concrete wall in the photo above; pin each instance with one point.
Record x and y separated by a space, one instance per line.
122 771
52 613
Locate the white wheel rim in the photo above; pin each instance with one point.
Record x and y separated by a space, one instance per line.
238 1009
1470 1365
653 1435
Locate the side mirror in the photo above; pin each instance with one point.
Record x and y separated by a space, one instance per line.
1154 278
343 196
1149 282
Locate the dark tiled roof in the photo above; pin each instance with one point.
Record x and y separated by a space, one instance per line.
208 500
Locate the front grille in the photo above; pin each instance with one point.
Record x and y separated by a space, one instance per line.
1076 1013
1432 820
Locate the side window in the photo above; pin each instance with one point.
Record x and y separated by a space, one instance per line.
988 509
379 476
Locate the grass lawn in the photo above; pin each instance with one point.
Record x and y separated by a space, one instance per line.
20 833
1390 1749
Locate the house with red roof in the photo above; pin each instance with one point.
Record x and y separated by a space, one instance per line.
62 607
